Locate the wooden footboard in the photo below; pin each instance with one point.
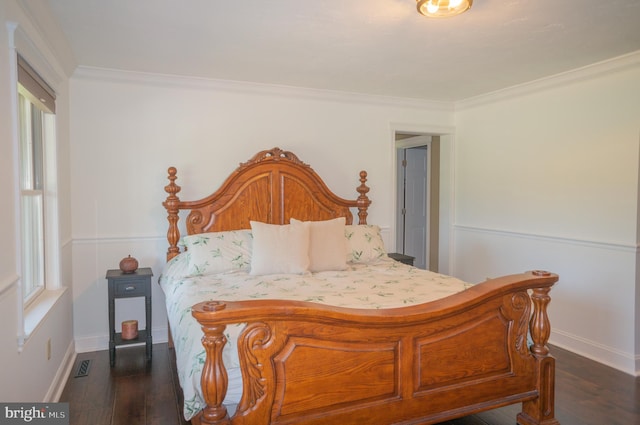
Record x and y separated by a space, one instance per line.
306 363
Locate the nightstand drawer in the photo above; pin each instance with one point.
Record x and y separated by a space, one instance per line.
130 288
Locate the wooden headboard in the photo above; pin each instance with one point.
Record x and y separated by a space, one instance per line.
272 187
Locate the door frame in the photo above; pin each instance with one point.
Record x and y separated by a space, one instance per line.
403 144
446 263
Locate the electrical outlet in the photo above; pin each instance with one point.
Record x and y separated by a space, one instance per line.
49 349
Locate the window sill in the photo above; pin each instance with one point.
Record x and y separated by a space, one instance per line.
37 311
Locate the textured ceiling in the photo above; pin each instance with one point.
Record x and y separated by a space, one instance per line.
381 47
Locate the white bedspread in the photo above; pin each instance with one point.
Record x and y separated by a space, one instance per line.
385 284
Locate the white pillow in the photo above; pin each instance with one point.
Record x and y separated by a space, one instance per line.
365 244
279 249
218 252
327 244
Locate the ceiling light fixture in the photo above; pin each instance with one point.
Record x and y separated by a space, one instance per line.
443 8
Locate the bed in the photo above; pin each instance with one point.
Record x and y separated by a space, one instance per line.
306 344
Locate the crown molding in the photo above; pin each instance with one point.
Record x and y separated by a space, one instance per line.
199 83
585 73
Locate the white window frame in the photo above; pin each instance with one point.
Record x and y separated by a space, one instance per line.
31 312
32 200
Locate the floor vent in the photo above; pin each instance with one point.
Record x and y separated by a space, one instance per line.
83 369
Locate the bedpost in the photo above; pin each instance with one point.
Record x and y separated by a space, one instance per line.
214 378
172 205
540 411
363 200
540 325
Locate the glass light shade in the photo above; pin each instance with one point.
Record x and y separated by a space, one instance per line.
443 8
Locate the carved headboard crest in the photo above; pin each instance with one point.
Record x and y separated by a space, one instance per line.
275 154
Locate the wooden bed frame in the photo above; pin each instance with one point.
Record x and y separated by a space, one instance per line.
307 363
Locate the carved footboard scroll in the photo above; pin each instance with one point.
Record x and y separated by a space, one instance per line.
307 363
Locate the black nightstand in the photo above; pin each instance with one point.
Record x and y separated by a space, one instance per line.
406 259
129 285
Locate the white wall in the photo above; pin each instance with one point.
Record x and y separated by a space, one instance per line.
544 177
128 128
547 178
39 378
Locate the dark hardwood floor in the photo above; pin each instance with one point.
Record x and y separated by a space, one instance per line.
135 392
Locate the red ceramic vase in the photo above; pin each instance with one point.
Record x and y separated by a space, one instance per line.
128 264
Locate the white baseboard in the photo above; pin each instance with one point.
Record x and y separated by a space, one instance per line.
625 362
62 375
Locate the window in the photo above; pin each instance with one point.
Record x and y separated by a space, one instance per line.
36 114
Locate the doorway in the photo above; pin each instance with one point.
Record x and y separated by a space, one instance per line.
417 203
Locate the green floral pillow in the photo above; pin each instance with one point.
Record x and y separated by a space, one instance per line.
219 252
365 245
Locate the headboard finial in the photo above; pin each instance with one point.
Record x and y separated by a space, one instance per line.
172 205
363 200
